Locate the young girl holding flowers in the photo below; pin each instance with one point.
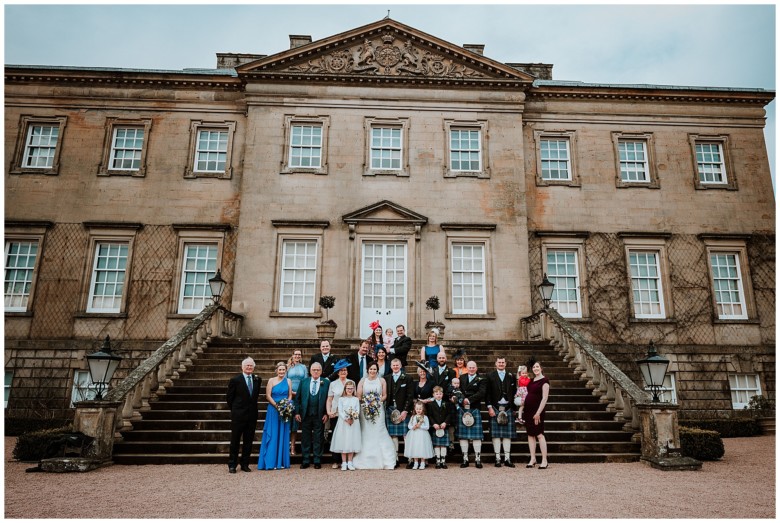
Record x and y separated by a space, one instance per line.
418 445
346 436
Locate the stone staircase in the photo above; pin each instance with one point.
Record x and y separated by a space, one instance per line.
191 423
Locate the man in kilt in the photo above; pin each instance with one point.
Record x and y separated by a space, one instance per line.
474 389
441 415
400 393
501 390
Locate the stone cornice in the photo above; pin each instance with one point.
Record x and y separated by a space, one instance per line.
618 93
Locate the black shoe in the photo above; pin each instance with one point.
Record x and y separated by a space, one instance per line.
542 467
396 465
438 465
443 465
232 470
479 464
245 468
304 465
498 464
317 466
409 465
530 465
464 465
509 464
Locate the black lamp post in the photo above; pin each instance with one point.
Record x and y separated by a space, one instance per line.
546 290
217 285
653 369
102 365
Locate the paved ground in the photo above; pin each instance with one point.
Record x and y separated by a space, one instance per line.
742 485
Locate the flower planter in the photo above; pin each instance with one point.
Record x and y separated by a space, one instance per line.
767 426
326 331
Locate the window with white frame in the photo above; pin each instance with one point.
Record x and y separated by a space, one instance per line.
563 271
211 149
468 278
298 276
386 148
199 264
646 284
305 146
108 277
40 146
465 150
743 387
83 388
727 285
9 378
20 257
633 161
667 392
126 147
555 159
710 163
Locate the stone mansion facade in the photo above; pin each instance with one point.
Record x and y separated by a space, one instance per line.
382 166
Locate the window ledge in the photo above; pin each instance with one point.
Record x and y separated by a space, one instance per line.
276 314
552 183
637 185
450 316
400 174
303 170
736 322
671 321
177 316
88 315
18 314
48 172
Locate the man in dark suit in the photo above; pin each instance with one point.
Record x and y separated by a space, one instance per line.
326 359
401 345
474 389
359 362
441 376
400 393
312 415
242 400
501 391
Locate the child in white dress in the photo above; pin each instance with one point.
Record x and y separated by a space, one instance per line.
418 445
346 437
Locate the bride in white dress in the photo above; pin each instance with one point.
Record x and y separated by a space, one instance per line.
378 451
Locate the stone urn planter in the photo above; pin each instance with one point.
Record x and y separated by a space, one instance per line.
763 411
326 330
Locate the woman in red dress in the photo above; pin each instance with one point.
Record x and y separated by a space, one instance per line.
533 415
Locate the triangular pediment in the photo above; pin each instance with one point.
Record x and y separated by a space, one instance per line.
385 212
384 51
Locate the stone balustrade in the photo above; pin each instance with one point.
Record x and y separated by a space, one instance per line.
655 423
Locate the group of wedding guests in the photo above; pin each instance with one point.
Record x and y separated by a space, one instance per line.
369 402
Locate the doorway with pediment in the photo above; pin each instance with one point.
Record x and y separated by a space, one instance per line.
384 267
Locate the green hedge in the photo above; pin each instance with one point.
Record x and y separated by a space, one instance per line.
727 428
33 446
19 426
704 445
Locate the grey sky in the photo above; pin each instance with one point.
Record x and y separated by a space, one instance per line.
695 45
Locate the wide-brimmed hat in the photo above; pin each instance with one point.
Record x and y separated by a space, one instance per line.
423 365
341 364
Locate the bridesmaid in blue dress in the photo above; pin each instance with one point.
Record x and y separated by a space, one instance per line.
296 373
432 349
275 445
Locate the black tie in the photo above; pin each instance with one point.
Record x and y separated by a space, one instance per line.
361 366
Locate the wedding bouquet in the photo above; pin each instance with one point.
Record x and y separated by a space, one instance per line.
352 414
286 409
371 406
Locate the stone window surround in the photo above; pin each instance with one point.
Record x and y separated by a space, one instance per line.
474 233
402 123
569 241
190 234
200 125
650 242
731 178
292 120
477 125
302 230
27 231
731 244
652 174
571 136
106 232
26 122
112 124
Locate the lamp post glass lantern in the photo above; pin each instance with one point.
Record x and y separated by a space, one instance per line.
546 290
653 367
217 285
102 365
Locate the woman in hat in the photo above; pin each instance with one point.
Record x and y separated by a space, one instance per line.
377 338
335 391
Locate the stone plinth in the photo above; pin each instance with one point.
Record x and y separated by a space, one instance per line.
661 438
97 419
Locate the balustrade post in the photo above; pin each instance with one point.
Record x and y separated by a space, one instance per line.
661 438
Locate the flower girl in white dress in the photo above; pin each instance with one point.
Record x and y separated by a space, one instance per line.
346 436
418 445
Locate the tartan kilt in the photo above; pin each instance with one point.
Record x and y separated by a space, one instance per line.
443 441
395 430
472 432
503 431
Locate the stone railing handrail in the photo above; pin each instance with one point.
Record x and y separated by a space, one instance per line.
618 391
157 372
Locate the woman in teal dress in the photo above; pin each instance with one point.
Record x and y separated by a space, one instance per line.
432 349
296 372
275 445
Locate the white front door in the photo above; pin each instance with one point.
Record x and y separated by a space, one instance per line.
383 286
